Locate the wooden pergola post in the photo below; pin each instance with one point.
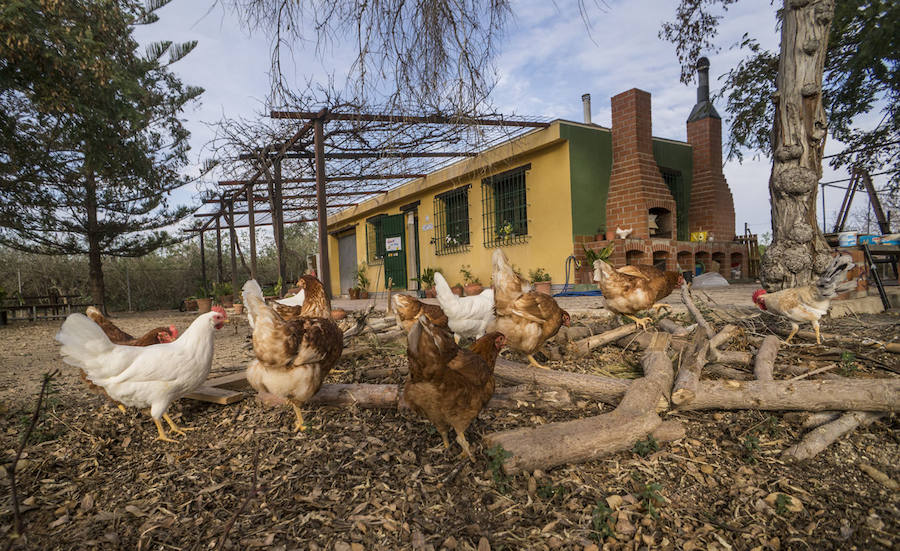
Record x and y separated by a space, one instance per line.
202 261
251 218
232 239
219 268
278 221
322 217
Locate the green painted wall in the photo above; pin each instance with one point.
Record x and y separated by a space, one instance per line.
677 157
590 165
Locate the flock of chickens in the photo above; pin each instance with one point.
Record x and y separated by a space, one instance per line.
296 342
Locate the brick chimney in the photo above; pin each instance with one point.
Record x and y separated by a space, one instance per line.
636 186
712 206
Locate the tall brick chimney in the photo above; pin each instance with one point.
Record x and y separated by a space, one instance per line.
636 187
712 206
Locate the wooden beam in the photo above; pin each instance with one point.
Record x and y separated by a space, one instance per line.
202 260
232 239
345 178
216 395
260 224
367 155
284 209
265 199
277 207
406 119
321 213
219 268
251 219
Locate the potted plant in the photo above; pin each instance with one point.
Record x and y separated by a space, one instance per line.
238 307
541 280
472 284
362 282
224 294
457 289
426 281
204 301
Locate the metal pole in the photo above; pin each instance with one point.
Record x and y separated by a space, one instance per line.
202 262
251 217
219 268
325 274
279 223
232 237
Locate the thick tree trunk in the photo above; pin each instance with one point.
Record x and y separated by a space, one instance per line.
95 264
798 252
608 390
689 371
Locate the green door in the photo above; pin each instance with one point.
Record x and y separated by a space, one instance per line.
394 250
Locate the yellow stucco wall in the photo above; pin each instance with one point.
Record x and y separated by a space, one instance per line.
549 207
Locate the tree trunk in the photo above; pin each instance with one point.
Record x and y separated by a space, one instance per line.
95 270
798 252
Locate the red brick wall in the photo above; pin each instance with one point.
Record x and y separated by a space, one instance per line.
636 184
712 206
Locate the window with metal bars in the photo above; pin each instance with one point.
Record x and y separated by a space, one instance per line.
451 221
374 240
504 208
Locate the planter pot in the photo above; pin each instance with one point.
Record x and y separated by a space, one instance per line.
430 292
238 309
610 235
204 305
363 294
353 292
190 304
473 289
338 314
457 290
226 301
542 287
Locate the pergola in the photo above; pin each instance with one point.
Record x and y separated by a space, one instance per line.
362 155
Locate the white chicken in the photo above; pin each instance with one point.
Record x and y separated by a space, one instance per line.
466 316
151 376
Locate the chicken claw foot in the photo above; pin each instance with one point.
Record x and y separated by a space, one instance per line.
535 363
640 322
298 424
162 433
446 440
122 408
466 453
660 306
180 431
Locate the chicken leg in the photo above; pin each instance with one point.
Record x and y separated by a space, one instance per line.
298 424
641 322
660 305
464 444
175 428
535 363
162 433
815 324
794 329
445 439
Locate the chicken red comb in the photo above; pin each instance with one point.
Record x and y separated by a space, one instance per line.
220 310
757 294
173 331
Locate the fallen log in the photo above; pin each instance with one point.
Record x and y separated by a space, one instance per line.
582 348
589 438
726 372
820 395
820 438
605 389
688 378
765 358
808 420
387 397
726 334
688 301
893 347
738 357
670 326
388 336
641 341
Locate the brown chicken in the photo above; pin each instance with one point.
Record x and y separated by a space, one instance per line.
632 289
117 336
407 310
447 384
293 356
527 318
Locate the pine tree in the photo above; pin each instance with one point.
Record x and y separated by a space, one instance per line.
90 141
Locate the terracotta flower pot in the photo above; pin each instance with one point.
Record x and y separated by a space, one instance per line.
430 292
226 300
238 309
542 287
473 289
190 304
457 290
204 305
363 294
354 293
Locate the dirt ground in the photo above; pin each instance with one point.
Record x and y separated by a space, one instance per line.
95 478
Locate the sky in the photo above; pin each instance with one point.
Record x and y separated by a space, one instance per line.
548 59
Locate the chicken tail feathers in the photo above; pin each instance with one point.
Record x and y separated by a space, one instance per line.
253 299
444 295
82 340
832 280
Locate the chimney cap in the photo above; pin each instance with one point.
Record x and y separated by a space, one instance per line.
585 97
702 63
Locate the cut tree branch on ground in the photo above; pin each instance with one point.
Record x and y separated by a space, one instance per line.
608 390
689 371
823 436
692 308
11 470
764 365
670 326
821 395
589 438
808 420
582 348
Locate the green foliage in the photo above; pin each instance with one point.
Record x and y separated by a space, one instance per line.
601 523
649 496
848 363
603 254
92 131
646 447
427 277
497 455
537 275
750 448
551 491
222 289
362 278
468 278
278 286
781 502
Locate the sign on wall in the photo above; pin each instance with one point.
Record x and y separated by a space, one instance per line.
393 244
